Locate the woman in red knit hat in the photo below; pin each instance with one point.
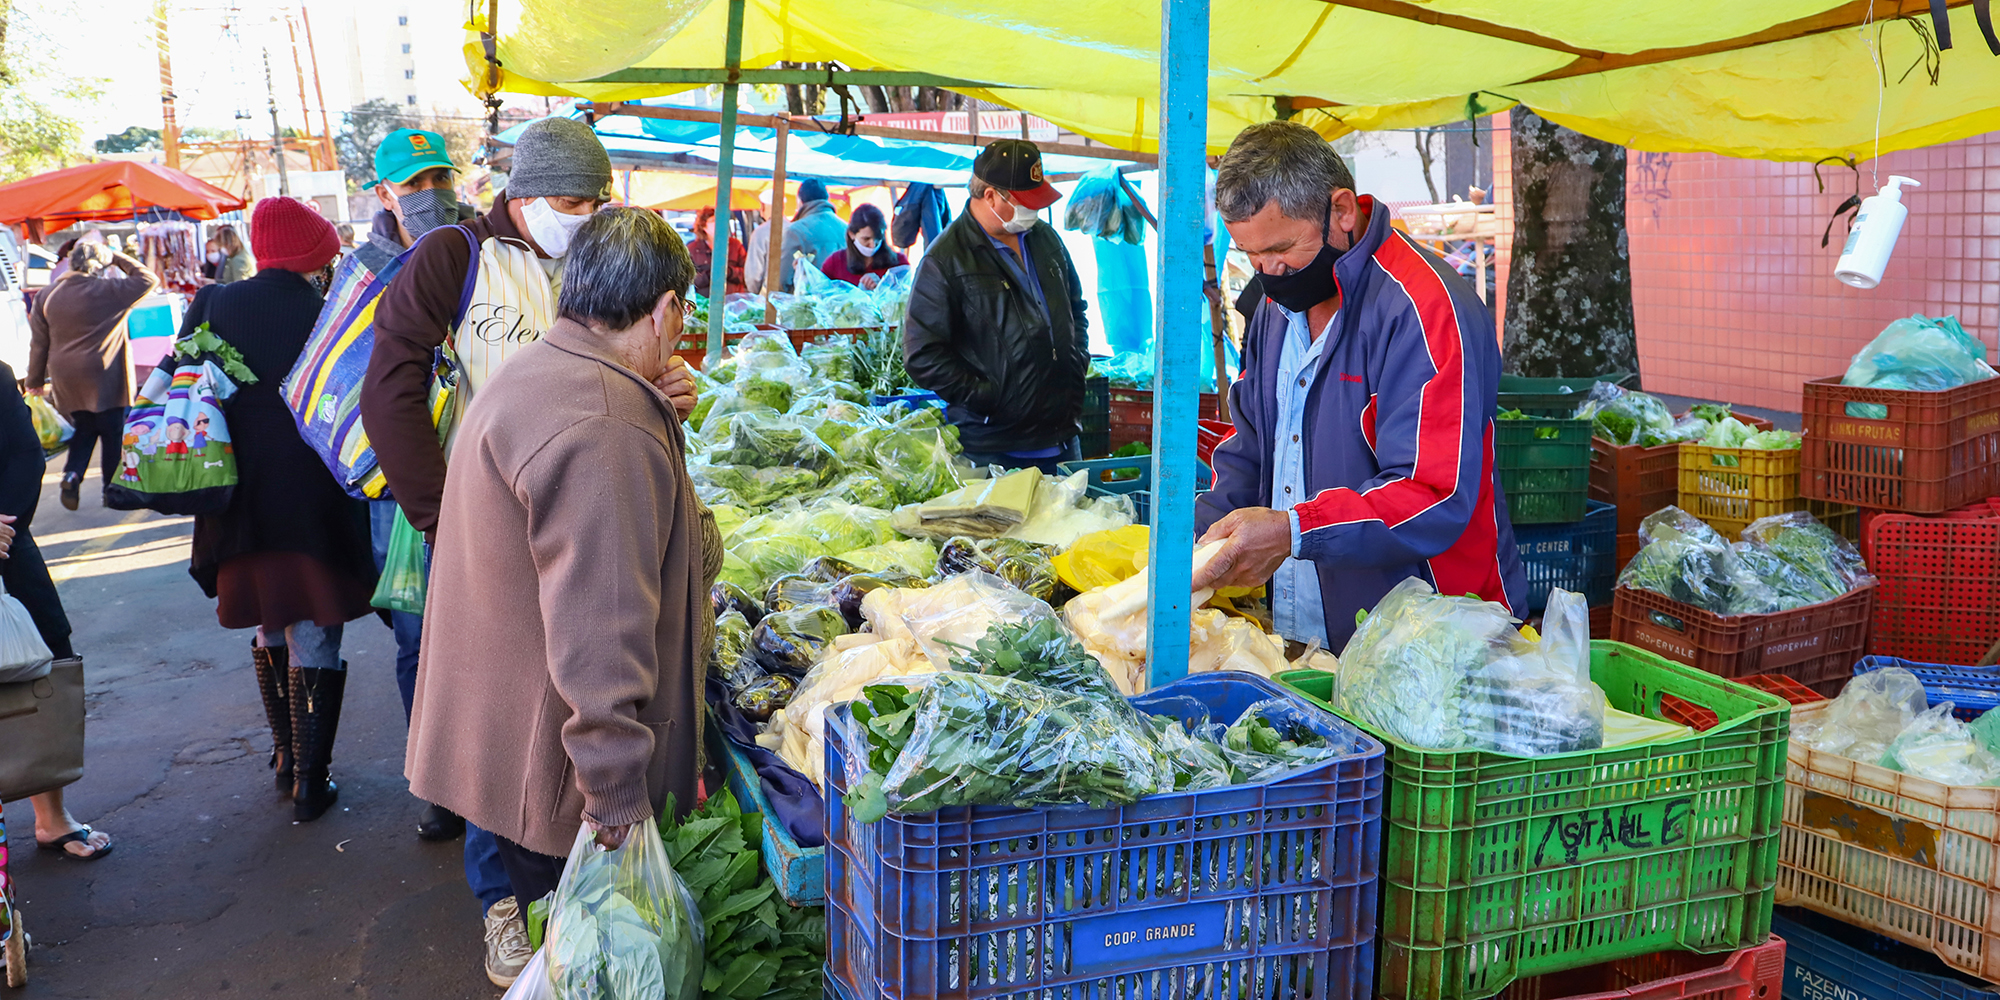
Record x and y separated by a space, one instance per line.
291 556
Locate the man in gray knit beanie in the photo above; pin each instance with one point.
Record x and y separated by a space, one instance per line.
560 175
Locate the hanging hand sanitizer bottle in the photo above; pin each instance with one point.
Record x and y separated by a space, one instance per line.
1874 234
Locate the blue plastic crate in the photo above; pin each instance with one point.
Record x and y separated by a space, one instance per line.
1829 960
1261 890
799 872
1971 690
1580 557
1139 488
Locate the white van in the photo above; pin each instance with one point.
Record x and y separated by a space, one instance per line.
13 302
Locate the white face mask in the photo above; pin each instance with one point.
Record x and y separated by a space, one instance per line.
1024 219
551 229
867 249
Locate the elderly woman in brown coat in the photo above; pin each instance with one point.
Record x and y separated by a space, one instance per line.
565 630
78 343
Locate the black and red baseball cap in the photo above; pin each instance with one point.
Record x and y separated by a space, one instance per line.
1015 166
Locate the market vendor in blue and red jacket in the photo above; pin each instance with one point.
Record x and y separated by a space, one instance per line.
1363 452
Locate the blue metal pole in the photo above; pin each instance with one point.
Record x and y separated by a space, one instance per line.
725 174
1179 312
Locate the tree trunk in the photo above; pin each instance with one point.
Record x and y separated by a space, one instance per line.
877 97
1425 138
1569 287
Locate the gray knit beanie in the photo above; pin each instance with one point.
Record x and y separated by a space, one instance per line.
559 158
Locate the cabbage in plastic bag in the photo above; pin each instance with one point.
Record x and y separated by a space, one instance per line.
1626 417
623 926
775 554
844 527
1916 353
1444 673
913 556
1812 549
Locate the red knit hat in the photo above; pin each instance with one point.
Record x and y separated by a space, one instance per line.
290 234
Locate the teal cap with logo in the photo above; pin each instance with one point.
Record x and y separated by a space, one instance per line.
407 152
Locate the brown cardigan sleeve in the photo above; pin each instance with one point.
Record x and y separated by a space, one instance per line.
593 495
38 341
414 317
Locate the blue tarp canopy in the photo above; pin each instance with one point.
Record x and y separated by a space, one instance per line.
807 153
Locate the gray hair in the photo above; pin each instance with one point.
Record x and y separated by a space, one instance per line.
1284 162
619 264
976 188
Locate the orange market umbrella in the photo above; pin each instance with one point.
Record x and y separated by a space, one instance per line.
112 189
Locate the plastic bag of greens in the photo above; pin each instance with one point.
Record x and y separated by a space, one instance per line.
1812 549
405 578
863 489
1444 673
732 404
892 294
1937 747
773 555
789 641
1126 369
955 612
830 359
1686 560
1916 353
844 527
1404 671
1795 589
916 462
765 342
795 312
971 739
1625 417
1100 207
843 306
1870 713
623 926
1268 739
910 555
50 427
778 441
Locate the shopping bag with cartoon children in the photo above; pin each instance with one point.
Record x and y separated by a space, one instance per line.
177 457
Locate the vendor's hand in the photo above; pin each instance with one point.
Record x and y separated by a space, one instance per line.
6 535
36 390
1259 541
678 383
870 280
611 838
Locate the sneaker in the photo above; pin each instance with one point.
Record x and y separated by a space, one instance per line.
507 950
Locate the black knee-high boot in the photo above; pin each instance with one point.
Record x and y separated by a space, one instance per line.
316 696
272 683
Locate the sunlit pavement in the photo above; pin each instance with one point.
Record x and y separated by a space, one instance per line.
212 890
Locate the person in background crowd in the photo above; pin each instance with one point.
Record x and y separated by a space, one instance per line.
26 577
236 262
290 555
413 186
1363 452
702 250
759 251
211 259
62 257
561 175
78 342
815 231
568 604
345 231
996 323
867 254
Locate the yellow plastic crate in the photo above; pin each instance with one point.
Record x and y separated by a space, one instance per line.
1731 487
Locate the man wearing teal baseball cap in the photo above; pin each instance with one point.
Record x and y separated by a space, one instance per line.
413 178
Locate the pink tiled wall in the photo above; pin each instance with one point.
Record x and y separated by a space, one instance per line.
1735 298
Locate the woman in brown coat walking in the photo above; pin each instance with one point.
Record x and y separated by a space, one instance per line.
78 343
566 625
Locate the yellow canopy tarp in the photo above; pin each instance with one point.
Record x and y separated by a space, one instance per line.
1093 66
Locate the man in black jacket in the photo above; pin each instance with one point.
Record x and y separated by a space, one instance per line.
996 323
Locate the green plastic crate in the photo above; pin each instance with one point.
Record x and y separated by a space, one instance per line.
1497 867
1544 465
1555 397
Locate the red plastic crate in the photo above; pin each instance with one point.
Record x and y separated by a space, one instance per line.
1933 451
1636 480
1815 645
1132 415
1939 598
1702 719
1600 622
1755 973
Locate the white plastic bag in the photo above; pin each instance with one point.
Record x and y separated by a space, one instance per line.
23 654
533 983
623 926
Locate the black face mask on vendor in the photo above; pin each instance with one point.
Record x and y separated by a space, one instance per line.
1312 284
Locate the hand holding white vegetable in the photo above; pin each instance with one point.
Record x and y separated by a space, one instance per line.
1254 541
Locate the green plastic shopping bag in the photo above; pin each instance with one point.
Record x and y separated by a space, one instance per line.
405 578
